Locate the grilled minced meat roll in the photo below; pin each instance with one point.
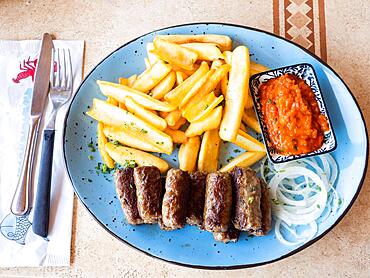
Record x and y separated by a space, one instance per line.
247 214
265 210
231 235
197 196
175 199
126 192
218 202
149 193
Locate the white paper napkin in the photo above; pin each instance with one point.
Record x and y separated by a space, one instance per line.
19 246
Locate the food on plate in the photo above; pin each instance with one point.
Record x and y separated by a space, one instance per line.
250 119
126 192
152 57
173 117
131 80
236 94
209 151
205 51
112 101
175 199
122 81
114 116
292 115
231 235
178 124
102 140
303 196
151 77
243 160
175 54
188 154
212 121
247 214
265 210
196 200
120 92
223 42
164 86
122 154
149 193
176 95
180 77
177 136
127 137
145 114
248 143
218 202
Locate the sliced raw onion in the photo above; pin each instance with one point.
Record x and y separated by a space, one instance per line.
303 195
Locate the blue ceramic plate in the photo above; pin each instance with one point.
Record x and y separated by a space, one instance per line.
190 246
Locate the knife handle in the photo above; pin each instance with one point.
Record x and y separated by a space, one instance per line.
22 197
40 223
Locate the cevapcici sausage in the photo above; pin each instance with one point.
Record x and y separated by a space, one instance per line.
231 235
175 199
126 191
197 196
149 192
247 197
218 202
265 210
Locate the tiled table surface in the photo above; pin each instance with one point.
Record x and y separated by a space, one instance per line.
335 30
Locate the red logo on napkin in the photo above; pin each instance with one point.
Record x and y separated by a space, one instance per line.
28 69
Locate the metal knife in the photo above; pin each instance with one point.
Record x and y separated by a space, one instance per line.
22 197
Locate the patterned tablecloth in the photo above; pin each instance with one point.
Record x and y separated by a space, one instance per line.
335 30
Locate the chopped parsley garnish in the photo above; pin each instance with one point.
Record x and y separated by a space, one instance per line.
230 158
318 206
116 143
131 186
206 106
129 164
269 101
319 188
275 201
91 146
90 157
104 168
143 130
159 143
340 202
237 151
250 199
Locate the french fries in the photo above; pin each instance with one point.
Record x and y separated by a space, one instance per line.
223 42
145 114
163 87
147 63
187 72
244 160
131 80
224 83
129 137
102 140
216 63
180 77
120 92
151 77
114 116
123 81
243 127
175 54
205 51
227 56
176 95
188 154
123 154
209 151
237 92
201 109
209 86
197 86
248 143
250 119
173 117
178 124
112 101
212 121
177 136
257 68
152 57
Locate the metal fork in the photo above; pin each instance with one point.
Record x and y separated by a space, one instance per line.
60 91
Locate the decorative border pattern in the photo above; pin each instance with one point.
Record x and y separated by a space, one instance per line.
307 73
303 22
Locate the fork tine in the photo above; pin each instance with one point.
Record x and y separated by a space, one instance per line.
58 74
52 76
70 79
64 73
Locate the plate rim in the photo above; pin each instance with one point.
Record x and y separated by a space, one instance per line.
231 267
